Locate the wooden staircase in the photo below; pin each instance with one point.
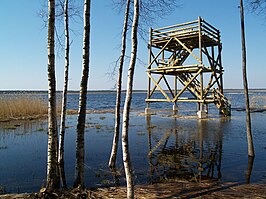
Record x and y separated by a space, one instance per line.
222 102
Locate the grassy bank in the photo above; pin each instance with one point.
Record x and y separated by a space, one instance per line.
22 108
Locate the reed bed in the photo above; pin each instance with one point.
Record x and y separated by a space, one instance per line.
22 108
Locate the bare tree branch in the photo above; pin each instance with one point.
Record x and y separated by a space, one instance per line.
150 12
75 16
257 7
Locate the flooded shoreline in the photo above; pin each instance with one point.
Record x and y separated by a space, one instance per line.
163 146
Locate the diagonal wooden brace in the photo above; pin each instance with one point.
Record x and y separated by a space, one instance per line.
186 86
187 49
154 59
159 87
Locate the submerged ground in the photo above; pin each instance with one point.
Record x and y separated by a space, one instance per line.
164 147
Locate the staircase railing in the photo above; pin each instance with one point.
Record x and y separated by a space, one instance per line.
222 102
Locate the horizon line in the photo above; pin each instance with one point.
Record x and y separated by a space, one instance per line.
104 90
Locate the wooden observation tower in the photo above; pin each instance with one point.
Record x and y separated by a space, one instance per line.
189 55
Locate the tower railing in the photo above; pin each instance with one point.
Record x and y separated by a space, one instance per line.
186 30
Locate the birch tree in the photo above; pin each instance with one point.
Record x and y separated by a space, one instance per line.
112 160
125 144
245 83
52 174
149 12
79 181
64 99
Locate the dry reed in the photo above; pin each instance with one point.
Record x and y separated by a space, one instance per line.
22 108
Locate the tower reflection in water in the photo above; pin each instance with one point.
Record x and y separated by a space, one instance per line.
193 153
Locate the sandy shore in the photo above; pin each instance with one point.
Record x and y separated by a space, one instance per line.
180 189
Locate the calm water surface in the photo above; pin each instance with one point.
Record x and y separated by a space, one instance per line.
161 147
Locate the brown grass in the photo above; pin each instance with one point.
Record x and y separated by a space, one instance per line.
179 189
22 108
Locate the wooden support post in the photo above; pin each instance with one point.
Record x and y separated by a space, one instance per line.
175 109
221 89
175 93
220 67
201 113
147 110
200 60
213 59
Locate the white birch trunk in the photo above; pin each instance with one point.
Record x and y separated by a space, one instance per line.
64 100
112 161
125 144
52 174
79 181
245 82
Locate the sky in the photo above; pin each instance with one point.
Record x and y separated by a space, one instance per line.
23 44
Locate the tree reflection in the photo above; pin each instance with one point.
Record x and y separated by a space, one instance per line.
179 154
61 167
249 168
115 174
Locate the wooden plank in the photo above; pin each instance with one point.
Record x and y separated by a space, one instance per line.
191 70
179 35
185 29
174 26
157 100
196 100
175 71
209 25
211 32
176 67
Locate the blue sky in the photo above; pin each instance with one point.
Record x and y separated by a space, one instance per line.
23 51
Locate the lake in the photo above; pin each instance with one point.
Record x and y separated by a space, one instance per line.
163 146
